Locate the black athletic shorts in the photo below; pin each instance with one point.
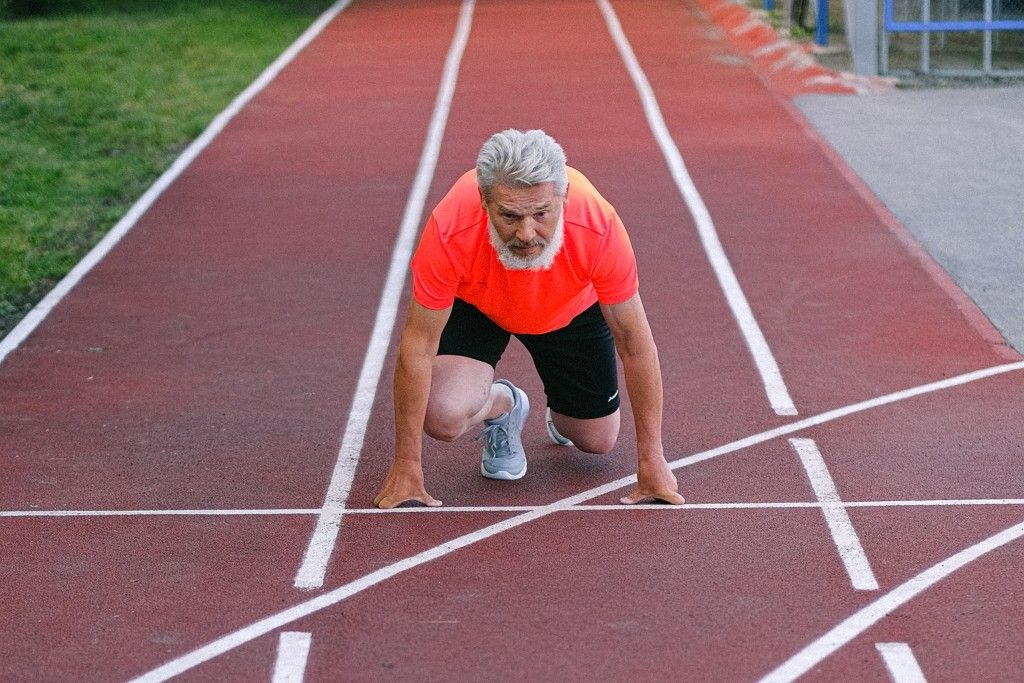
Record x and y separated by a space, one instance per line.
576 363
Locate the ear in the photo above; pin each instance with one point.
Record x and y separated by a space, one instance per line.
483 202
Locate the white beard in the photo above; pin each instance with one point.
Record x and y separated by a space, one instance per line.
541 261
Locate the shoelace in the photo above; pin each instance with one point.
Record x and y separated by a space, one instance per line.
496 436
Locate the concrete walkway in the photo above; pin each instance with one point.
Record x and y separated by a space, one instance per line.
949 164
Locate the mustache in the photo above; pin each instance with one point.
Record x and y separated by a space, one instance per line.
517 244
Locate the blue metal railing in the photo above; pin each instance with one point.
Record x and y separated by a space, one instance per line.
894 26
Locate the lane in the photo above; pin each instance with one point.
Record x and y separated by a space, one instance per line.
600 123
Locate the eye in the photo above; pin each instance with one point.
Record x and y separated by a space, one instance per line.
540 215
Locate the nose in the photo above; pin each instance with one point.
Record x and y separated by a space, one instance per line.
527 229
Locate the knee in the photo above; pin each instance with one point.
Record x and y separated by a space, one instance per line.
597 444
443 426
442 431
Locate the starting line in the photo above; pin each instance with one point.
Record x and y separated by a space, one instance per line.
515 509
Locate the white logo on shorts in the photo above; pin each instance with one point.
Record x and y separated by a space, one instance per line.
612 397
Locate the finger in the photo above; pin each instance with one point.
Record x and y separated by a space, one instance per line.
670 497
637 497
634 498
387 502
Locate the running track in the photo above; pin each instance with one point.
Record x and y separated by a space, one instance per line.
861 515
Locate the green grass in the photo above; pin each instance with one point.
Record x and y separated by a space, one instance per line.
95 104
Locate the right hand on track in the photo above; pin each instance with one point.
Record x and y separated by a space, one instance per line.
404 483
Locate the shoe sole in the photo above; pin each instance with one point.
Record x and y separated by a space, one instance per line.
502 474
553 434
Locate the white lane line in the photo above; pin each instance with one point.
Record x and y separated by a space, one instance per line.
322 601
775 388
292 653
866 617
34 317
321 545
901 663
160 513
855 560
614 507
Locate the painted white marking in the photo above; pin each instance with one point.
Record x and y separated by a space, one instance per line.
771 377
616 507
748 25
34 317
292 653
314 564
866 617
159 513
771 47
839 524
901 663
324 600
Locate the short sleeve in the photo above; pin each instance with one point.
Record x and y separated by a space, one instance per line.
435 279
615 275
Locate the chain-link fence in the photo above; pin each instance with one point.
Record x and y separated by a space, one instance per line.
957 37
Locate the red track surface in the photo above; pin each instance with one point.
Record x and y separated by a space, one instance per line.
210 360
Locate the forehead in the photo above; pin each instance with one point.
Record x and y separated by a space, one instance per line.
523 198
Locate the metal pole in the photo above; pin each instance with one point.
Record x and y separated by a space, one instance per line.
885 51
821 34
865 37
986 53
926 37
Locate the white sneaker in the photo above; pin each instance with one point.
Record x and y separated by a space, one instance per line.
553 432
503 456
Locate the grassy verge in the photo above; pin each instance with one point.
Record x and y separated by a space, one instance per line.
95 104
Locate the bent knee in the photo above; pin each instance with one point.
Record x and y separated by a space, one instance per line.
598 444
443 430
444 424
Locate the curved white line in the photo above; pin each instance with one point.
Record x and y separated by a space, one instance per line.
325 600
860 621
38 313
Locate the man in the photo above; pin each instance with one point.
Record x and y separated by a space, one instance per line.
525 245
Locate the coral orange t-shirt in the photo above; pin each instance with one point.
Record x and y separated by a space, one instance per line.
455 258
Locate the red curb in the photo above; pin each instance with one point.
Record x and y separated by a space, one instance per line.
785 65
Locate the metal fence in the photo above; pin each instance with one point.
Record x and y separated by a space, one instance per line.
953 37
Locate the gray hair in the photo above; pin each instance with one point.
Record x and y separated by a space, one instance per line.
515 158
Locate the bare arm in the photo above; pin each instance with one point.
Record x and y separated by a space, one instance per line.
416 353
639 354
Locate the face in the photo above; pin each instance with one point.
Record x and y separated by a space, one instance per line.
525 224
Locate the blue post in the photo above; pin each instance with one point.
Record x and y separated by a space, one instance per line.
821 34
769 5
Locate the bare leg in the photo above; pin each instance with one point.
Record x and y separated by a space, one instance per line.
462 394
596 435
